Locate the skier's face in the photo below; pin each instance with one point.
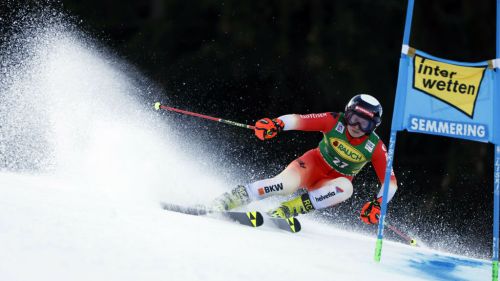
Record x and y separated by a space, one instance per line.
355 131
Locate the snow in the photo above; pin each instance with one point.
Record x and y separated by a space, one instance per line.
49 231
85 171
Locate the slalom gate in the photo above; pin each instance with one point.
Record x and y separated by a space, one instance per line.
447 98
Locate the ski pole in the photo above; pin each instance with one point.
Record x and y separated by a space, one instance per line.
159 106
408 239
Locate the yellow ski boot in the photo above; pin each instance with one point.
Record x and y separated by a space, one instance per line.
298 205
230 200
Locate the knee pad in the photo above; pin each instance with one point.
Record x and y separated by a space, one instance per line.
331 193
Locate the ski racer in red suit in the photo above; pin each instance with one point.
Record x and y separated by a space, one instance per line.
326 172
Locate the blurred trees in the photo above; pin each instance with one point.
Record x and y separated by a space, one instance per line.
276 57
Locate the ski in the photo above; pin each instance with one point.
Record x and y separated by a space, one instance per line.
195 211
292 224
253 219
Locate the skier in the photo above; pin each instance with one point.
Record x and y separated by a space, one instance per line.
326 172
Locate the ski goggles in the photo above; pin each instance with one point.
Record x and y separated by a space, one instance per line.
366 125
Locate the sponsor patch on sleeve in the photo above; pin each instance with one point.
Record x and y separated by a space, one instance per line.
340 127
369 146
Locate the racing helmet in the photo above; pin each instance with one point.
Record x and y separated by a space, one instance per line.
365 111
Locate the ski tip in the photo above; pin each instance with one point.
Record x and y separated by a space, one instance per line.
157 105
294 225
256 218
194 210
291 224
253 219
170 207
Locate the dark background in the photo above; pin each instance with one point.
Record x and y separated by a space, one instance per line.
243 60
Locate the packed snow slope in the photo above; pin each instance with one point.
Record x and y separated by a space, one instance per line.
86 162
52 231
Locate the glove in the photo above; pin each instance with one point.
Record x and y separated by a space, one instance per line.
266 128
370 213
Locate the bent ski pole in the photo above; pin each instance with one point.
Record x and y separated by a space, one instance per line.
159 106
411 241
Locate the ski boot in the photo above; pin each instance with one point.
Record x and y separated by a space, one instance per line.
230 200
298 205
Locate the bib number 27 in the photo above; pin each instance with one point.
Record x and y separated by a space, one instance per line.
339 162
